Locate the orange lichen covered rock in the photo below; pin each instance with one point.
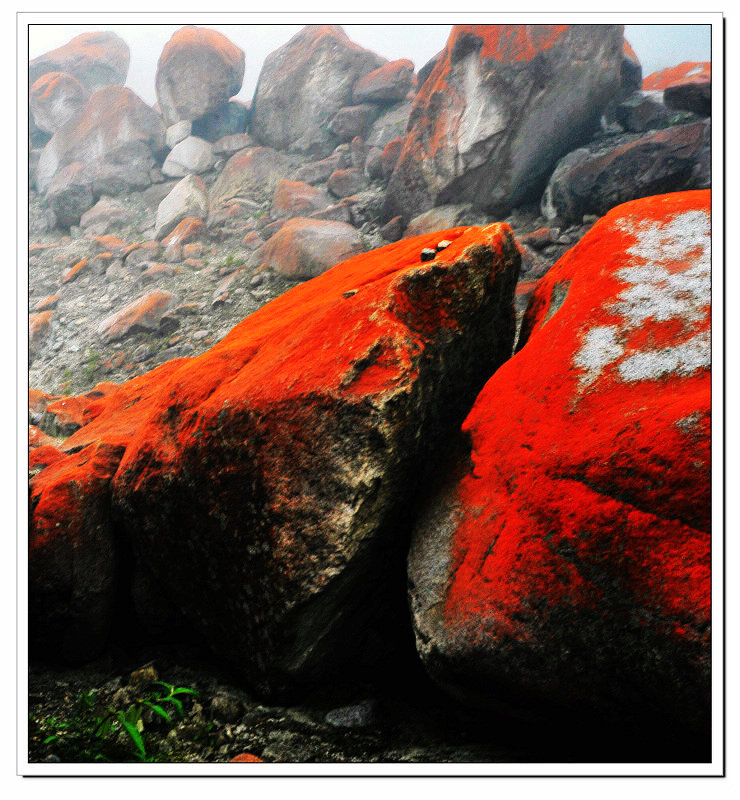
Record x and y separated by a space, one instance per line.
54 99
298 199
687 71
265 483
142 314
187 231
304 248
501 106
387 84
303 84
72 555
39 326
96 59
74 272
37 438
197 73
567 563
243 758
47 303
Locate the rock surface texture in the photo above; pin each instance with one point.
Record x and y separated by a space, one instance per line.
303 84
54 99
198 71
501 106
566 565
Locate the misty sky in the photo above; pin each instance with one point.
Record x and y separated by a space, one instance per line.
657 46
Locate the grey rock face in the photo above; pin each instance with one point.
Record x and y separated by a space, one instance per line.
500 108
303 84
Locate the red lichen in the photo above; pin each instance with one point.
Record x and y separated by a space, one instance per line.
701 71
580 474
74 272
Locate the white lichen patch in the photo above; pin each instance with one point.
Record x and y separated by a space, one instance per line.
655 293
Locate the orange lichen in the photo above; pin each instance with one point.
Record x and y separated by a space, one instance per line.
682 73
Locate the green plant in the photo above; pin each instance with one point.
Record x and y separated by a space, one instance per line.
113 734
92 362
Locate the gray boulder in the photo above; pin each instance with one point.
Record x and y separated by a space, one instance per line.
198 71
303 84
191 155
54 99
594 179
189 198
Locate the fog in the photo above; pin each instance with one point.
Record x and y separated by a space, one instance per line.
657 46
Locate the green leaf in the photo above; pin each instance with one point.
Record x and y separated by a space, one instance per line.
135 735
175 702
158 710
182 690
51 738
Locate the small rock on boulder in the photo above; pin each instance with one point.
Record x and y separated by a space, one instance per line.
197 73
352 121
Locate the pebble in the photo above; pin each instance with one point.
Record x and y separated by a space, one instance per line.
427 254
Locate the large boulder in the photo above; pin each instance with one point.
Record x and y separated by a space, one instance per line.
266 484
251 174
564 566
304 248
188 198
502 105
115 136
661 80
391 124
197 73
303 84
70 194
95 59
594 179
54 99
298 199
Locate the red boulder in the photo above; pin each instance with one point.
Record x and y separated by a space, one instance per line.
567 564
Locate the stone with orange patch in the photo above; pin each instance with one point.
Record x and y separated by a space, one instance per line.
54 99
387 84
75 271
565 563
198 71
502 105
39 326
96 59
141 315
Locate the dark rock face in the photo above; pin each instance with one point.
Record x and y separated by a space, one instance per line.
690 94
594 179
303 84
72 555
198 71
95 59
499 109
352 121
564 563
227 120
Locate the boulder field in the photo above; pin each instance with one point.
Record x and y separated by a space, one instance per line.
481 451
264 487
564 563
